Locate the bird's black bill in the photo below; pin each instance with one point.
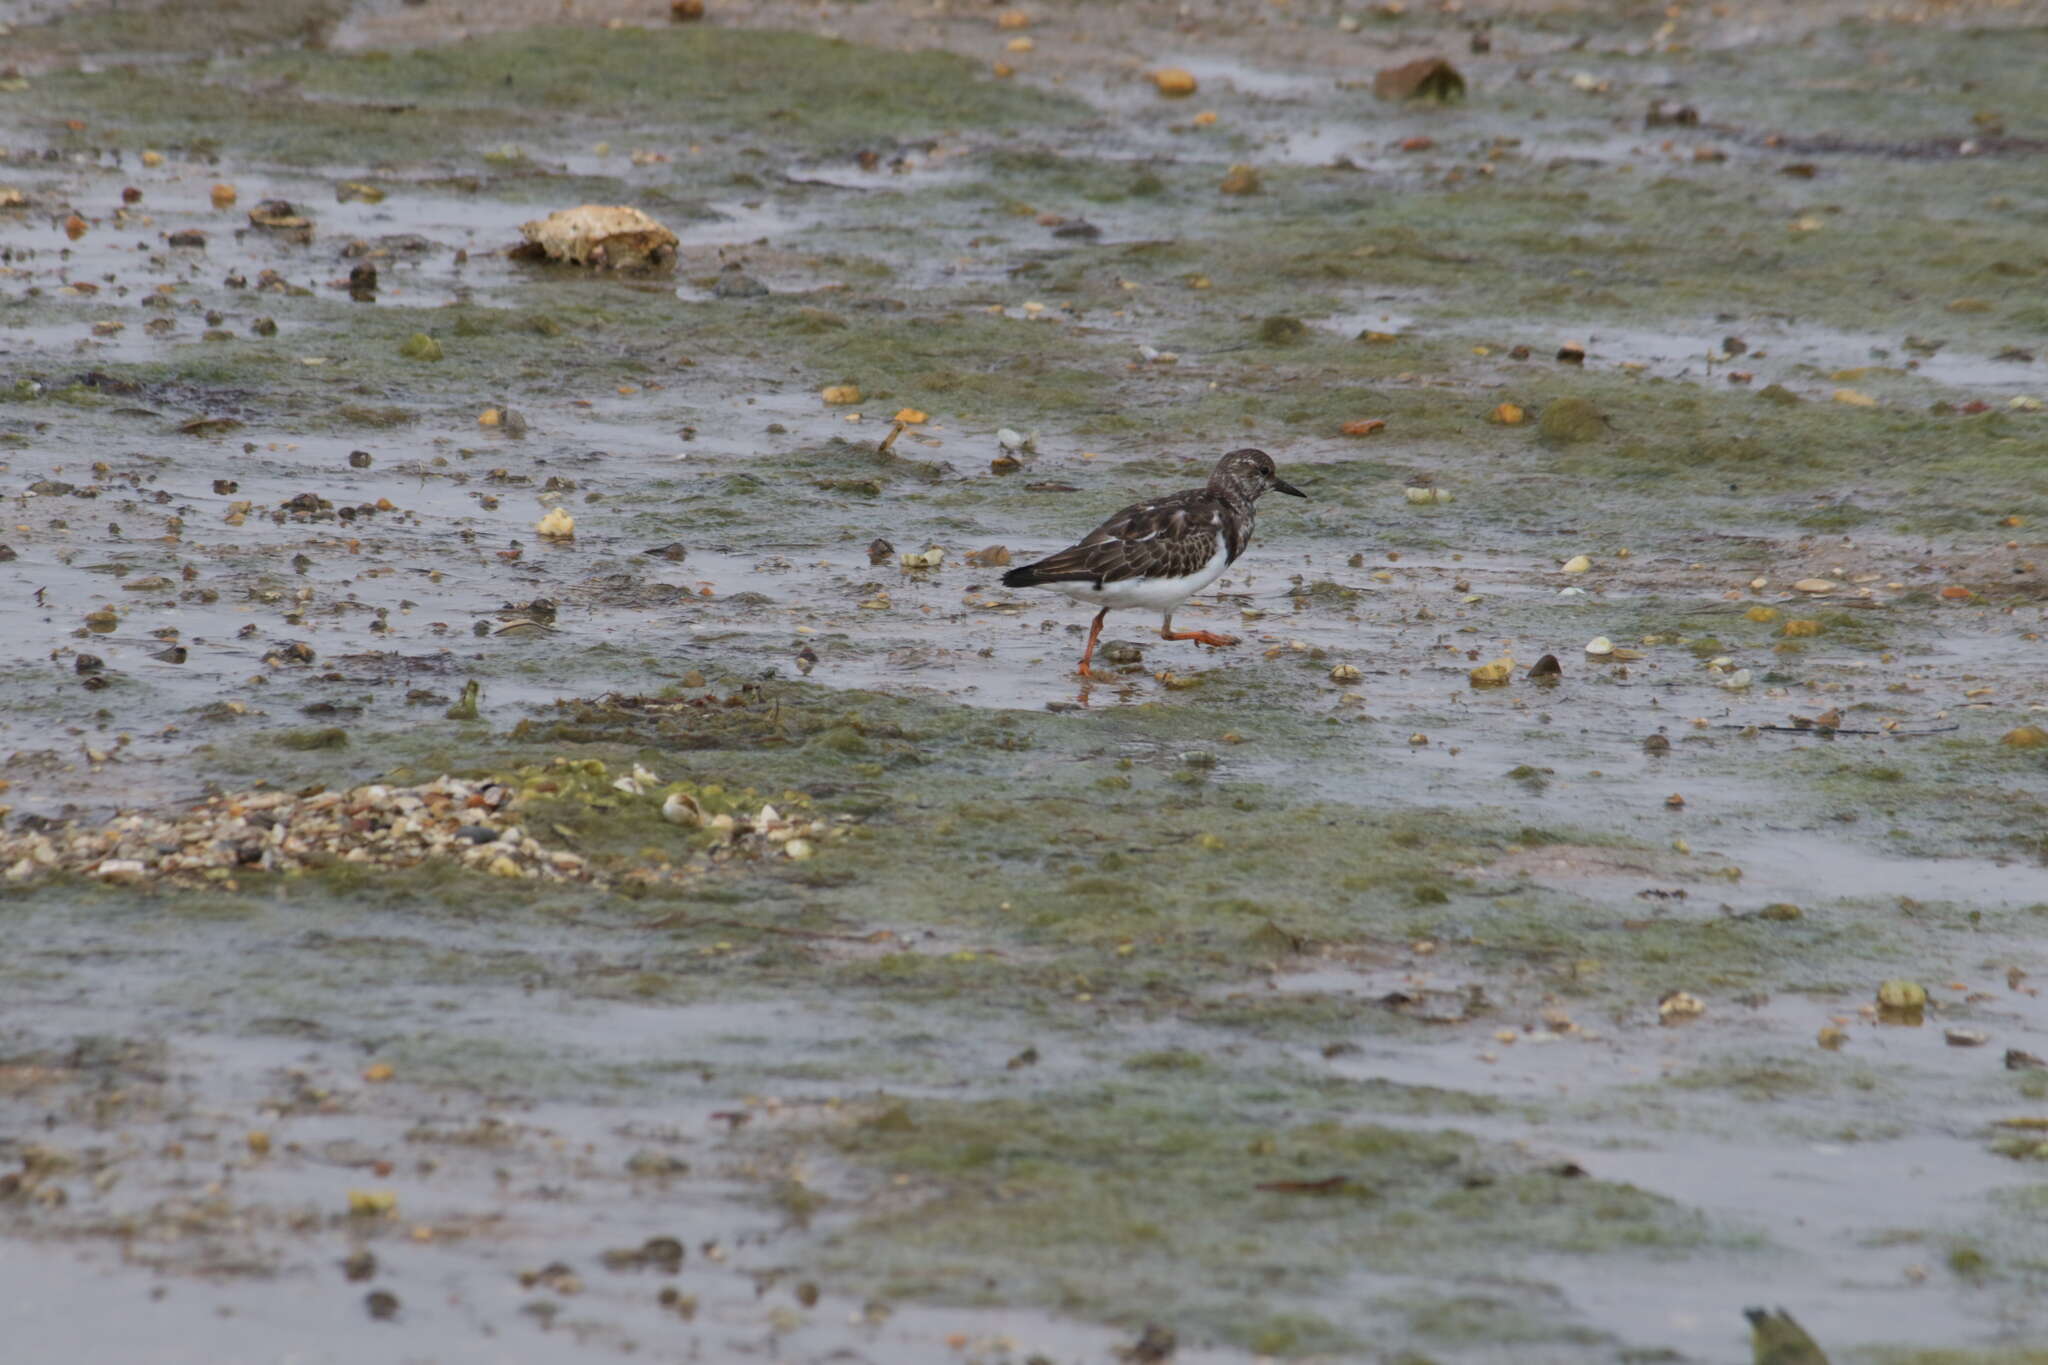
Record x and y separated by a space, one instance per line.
1282 486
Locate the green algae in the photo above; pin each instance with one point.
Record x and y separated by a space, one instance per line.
1098 1202
449 103
719 79
180 26
1048 175
1971 795
1568 421
968 366
1770 1080
332 737
421 347
1204 889
185 112
1281 330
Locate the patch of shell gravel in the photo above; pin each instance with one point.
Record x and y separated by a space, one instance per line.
471 822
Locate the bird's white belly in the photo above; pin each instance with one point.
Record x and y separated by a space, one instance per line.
1154 594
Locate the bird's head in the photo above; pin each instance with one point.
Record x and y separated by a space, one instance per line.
1249 473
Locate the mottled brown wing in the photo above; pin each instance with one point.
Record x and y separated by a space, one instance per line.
1103 560
1169 537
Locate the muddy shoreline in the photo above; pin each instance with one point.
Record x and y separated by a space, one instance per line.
776 950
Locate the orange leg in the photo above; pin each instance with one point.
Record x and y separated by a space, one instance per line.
1200 637
1094 633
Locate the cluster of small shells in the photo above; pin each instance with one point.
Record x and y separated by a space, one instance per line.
471 822
768 831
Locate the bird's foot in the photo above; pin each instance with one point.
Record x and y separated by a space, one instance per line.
1203 637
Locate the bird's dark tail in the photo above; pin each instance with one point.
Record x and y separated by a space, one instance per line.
1075 564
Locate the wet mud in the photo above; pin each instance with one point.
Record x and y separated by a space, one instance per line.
495 869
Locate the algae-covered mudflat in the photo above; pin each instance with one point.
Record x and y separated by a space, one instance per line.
497 868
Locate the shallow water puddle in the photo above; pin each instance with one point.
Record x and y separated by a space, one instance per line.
1880 1206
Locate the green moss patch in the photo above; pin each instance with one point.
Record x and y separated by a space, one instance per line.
1119 1206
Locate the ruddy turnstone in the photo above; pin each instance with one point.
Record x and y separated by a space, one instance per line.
1158 554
